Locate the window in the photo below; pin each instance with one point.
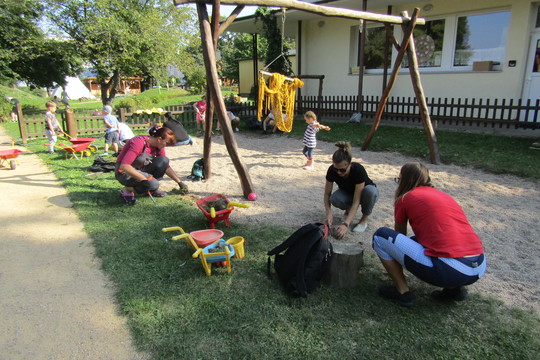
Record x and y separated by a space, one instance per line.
480 38
428 40
373 50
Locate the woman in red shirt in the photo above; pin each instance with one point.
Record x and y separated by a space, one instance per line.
143 161
445 250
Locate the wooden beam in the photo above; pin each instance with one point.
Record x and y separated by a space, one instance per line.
312 8
224 25
217 98
407 34
421 100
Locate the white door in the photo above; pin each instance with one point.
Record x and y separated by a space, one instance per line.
531 86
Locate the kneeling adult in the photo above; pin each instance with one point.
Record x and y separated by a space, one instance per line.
143 161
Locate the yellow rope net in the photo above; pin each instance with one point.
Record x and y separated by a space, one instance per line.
278 97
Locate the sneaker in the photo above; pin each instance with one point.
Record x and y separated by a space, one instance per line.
360 228
129 198
157 193
456 294
105 154
309 167
390 293
236 130
116 154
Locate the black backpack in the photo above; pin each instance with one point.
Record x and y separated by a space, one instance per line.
307 257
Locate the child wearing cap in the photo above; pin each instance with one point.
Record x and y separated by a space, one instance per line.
112 135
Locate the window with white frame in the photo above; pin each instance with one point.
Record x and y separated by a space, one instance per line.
481 37
449 43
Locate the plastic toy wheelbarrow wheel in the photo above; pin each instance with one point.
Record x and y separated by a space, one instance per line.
92 148
12 164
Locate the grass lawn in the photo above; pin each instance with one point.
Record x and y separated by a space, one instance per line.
174 311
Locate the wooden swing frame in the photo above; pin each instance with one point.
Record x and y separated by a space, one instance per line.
211 29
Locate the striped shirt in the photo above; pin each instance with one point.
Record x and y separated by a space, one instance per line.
310 136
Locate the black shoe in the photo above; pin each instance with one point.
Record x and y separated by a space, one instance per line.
116 154
390 293
455 294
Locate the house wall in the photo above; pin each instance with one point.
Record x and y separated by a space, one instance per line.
325 51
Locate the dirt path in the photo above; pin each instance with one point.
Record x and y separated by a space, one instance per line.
55 303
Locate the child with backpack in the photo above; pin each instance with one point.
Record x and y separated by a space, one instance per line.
310 137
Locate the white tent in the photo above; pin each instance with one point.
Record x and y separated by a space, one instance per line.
74 88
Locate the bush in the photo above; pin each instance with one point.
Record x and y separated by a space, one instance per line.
127 103
196 80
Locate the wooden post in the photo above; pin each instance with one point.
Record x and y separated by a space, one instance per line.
393 77
123 117
215 91
22 129
70 123
346 262
421 100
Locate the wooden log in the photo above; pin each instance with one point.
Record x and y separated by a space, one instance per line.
407 33
421 100
312 8
346 262
217 98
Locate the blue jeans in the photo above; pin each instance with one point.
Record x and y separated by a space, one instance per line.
343 200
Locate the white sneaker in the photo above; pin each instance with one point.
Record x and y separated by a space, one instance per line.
236 130
309 167
105 154
360 228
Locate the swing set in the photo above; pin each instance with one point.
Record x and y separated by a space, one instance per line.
211 29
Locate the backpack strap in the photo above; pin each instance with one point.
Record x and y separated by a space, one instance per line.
325 231
292 239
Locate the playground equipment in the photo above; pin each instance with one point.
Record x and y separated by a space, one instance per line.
210 248
217 208
10 155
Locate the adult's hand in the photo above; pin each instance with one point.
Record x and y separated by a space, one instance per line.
183 187
340 231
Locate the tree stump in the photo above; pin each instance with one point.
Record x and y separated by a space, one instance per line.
346 262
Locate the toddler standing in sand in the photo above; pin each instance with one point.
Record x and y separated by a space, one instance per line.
52 126
310 137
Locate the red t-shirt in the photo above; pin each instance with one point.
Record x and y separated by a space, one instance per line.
134 148
438 222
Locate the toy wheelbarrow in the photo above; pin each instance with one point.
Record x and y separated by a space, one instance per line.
10 155
219 252
217 208
82 140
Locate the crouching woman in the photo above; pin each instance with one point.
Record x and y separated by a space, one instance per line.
445 251
143 161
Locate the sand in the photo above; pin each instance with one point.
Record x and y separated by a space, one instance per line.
503 209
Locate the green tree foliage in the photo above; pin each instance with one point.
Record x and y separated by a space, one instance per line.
276 43
126 37
25 53
234 47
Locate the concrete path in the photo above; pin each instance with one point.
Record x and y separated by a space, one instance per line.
55 303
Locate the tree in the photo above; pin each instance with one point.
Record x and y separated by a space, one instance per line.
125 37
25 53
277 49
236 46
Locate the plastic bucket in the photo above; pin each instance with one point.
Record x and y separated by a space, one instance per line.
238 244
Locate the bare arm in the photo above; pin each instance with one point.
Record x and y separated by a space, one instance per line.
131 171
172 174
327 206
401 227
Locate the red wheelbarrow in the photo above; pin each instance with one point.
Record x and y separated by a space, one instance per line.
217 208
82 140
10 155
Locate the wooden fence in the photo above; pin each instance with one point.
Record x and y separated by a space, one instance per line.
459 112
84 123
450 112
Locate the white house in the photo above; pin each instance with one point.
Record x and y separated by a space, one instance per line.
467 49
